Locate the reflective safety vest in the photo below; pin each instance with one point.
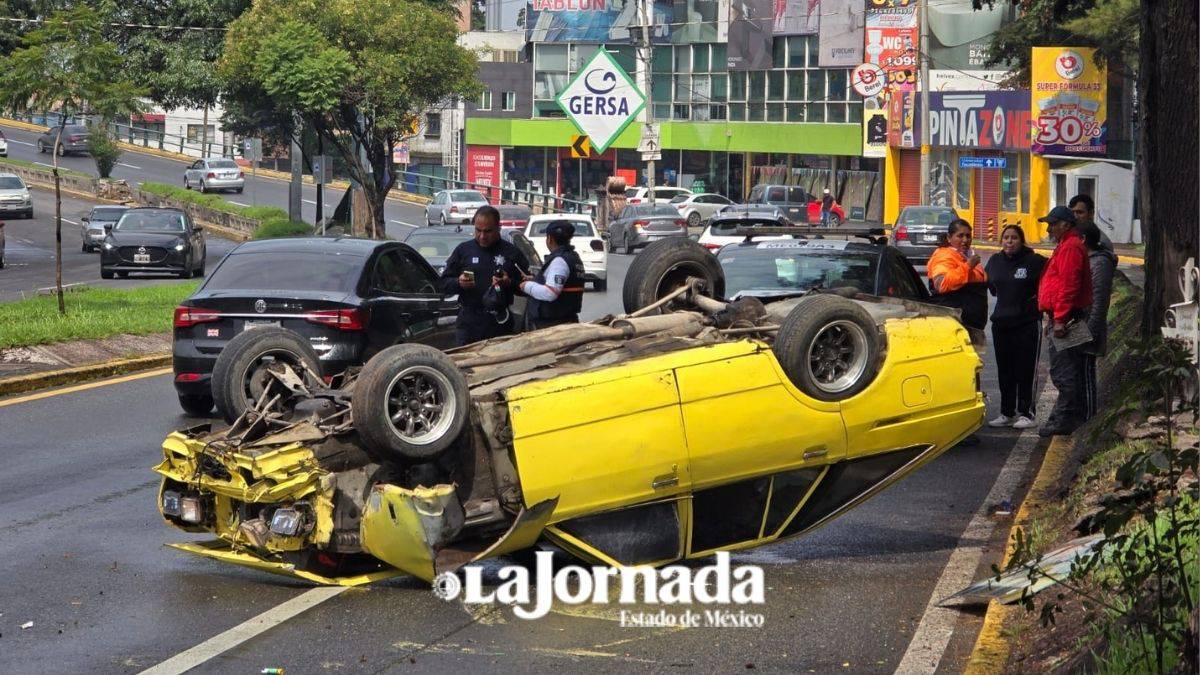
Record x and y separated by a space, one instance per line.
570 300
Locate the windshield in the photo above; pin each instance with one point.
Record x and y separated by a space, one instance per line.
466 196
911 216
679 199
630 193
222 164
657 210
728 227
791 269
11 183
582 228
514 212
436 244
151 221
108 215
286 271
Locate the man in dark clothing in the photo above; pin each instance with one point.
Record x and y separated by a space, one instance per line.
1013 276
1064 296
556 294
1103 264
1083 207
482 272
826 207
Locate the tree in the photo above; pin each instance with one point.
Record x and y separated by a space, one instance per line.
355 72
103 148
67 65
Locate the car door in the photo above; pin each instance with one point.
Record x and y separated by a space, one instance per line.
403 302
433 210
902 281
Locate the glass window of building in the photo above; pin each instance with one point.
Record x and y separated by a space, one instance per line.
757 85
485 100
508 101
719 58
700 59
1009 184
775 85
683 59
962 189
797 48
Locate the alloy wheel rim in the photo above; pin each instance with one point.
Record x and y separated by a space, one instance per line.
837 356
257 381
420 405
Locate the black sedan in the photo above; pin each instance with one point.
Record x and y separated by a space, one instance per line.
339 301
155 241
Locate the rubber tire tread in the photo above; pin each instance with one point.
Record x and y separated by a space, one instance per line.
642 278
799 329
246 347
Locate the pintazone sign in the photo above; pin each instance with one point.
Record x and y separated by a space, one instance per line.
602 100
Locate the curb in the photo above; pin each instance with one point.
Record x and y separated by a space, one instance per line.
94 371
1127 259
991 650
22 125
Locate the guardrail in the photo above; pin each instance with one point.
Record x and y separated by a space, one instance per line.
143 136
426 185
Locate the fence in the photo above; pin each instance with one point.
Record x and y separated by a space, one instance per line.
145 137
539 202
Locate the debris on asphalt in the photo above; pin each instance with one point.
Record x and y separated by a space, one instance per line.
271 671
1004 508
1029 578
27 624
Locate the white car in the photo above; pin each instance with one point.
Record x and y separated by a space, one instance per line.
587 243
722 230
3 145
697 209
662 195
217 174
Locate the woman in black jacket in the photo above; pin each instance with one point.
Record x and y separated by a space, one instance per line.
1013 276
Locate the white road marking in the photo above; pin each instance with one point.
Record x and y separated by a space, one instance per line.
219 644
238 203
129 166
933 633
13 140
69 221
308 201
401 222
45 164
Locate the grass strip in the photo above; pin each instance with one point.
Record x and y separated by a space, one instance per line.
91 313
214 202
38 167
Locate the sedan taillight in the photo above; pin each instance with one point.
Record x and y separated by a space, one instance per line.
186 317
341 319
711 246
210 175
453 209
902 233
681 223
634 200
639 224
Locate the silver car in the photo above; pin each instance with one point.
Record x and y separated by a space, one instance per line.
451 207
920 229
640 224
214 174
697 209
73 140
92 229
15 198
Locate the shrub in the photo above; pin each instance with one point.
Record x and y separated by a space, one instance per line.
214 202
282 227
103 148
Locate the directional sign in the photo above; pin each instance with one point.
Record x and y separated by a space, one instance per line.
322 170
982 162
400 153
649 142
581 147
868 80
252 149
601 101
651 156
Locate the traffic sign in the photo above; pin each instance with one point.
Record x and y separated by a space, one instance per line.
651 156
982 162
602 100
581 147
252 149
400 153
322 170
868 79
649 142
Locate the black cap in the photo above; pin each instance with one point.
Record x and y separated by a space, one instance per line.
1058 213
561 230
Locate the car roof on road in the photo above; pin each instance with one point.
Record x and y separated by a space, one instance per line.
347 245
802 245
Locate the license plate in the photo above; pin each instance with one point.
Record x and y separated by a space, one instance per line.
260 324
141 257
930 238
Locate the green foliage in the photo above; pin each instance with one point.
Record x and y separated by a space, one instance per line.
214 202
103 148
95 313
282 227
11 161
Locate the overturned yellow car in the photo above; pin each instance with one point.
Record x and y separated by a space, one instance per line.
685 427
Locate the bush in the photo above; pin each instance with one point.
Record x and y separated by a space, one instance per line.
214 202
103 149
282 227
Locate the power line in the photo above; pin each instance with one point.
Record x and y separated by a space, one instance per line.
13 19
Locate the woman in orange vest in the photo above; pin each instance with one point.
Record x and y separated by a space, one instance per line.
956 278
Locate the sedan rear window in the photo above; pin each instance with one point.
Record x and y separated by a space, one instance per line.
222 164
436 244
287 271
782 269
467 196
660 210
919 216
11 183
151 221
582 228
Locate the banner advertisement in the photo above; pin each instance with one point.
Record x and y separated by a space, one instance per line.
960 36
892 37
797 17
750 30
699 20
967 80
483 166
984 120
593 20
1068 97
902 120
841 33
875 132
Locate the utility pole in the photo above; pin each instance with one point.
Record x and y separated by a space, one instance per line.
320 185
295 188
923 51
647 59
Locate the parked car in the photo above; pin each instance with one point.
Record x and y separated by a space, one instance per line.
454 206
766 266
153 240
697 209
439 461
761 210
347 299
15 197
722 229
640 224
214 174
798 204
919 230
662 195
3 145
435 244
93 226
587 242
74 140
515 216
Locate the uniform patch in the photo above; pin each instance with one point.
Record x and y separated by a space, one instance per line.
1021 273
559 279
475 260
499 260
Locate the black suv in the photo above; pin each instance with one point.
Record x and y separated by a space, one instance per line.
348 298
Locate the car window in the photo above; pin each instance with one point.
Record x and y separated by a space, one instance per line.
11 183
719 199
106 214
789 269
467 196
797 195
222 164
631 193
582 228
901 283
151 221
657 526
75 129
920 216
436 244
775 194
661 210
286 271
198 165
396 273
756 194
729 514
679 199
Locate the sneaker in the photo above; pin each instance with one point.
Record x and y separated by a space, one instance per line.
1024 422
1056 429
1001 421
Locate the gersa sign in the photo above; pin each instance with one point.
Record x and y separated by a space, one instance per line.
601 101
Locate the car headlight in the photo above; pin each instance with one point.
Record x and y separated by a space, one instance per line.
108 246
179 247
291 521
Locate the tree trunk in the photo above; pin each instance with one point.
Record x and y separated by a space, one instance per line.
1168 145
58 287
204 133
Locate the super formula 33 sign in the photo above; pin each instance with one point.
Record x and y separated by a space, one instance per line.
602 100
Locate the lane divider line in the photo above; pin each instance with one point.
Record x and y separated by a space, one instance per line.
243 632
4 403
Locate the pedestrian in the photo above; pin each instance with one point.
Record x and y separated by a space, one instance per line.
1083 207
826 207
556 293
1013 276
956 278
1103 264
483 272
1064 296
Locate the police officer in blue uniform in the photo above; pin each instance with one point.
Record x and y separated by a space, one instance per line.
483 272
556 293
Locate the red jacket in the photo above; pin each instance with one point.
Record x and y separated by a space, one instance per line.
1067 280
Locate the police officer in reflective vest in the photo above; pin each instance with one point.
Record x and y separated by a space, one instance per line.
556 293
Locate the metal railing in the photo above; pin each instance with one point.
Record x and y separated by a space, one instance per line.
426 185
145 137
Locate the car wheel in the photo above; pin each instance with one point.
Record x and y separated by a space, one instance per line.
444 219
85 248
237 190
834 220
203 189
196 405
240 376
410 403
41 148
105 274
829 347
62 151
187 185
694 219
665 265
200 272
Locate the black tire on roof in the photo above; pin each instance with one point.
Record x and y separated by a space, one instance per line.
829 347
237 375
665 265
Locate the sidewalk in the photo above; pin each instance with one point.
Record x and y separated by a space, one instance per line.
19 362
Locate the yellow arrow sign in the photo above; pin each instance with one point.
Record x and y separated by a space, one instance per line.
581 146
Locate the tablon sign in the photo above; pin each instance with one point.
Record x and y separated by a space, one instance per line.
601 101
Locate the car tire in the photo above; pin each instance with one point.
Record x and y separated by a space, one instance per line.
237 190
829 347
62 150
665 265
203 189
105 274
203 264
41 148
834 220
444 223
235 378
395 390
85 248
196 405
693 219
187 185
123 275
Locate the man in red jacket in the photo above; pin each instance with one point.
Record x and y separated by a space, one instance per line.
1064 296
